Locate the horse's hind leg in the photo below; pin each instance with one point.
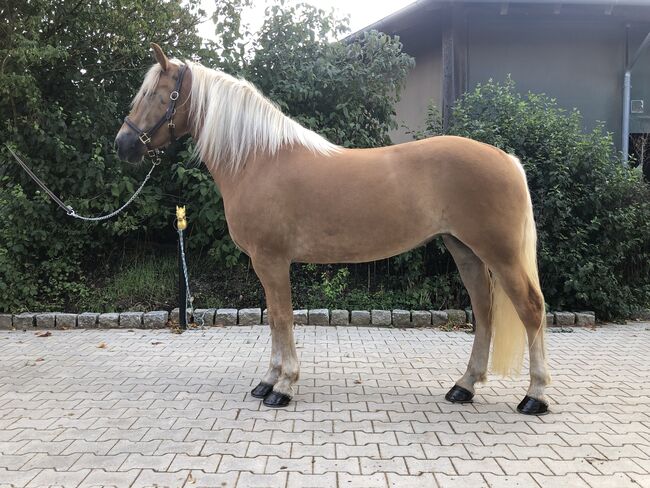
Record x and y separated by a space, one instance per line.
277 385
476 278
529 304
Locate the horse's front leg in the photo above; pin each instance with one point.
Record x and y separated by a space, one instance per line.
277 385
271 377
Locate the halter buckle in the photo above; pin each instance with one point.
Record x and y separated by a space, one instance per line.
152 153
171 124
173 95
144 138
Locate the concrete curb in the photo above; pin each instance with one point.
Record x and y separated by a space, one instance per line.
253 316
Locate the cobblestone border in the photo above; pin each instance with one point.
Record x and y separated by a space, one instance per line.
254 316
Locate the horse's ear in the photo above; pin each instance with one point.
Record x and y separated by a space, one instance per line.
160 56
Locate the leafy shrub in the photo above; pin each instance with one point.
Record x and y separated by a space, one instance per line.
68 72
592 213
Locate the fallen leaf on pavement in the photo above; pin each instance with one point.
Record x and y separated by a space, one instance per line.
102 345
155 343
46 333
39 360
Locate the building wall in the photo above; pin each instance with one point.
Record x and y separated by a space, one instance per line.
423 85
577 58
580 63
424 82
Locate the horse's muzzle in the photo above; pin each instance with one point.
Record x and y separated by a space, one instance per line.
129 147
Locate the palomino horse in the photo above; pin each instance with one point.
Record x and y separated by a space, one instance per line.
291 196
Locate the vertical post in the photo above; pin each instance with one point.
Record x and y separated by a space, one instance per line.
182 292
625 142
181 225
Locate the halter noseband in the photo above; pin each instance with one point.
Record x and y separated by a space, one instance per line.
145 135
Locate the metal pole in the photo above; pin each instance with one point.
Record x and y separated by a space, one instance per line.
627 83
625 143
182 292
181 225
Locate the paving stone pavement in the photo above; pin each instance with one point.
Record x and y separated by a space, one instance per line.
152 408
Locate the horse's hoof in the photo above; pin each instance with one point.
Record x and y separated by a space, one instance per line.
531 406
458 394
262 390
277 400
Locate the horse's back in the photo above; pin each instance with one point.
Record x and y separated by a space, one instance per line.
366 204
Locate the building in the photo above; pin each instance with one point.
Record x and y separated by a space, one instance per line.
577 51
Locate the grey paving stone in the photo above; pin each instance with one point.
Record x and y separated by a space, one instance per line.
108 320
586 319
265 316
156 319
565 318
318 316
439 317
6 321
45 320
131 320
550 318
300 317
249 316
360 317
401 318
226 317
469 313
456 317
25 320
421 318
174 316
340 317
87 320
204 316
51 478
380 318
99 478
369 410
66 320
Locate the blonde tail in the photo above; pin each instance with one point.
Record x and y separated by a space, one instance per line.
508 331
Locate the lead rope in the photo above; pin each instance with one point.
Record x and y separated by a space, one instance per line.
189 299
68 209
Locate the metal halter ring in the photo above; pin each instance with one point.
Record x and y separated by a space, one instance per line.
173 95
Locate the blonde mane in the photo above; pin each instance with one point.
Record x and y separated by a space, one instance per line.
231 120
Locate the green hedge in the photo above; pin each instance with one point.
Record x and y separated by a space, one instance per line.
592 213
66 84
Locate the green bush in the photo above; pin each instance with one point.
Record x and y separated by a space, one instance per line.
592 213
68 73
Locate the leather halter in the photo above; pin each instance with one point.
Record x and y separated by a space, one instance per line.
145 135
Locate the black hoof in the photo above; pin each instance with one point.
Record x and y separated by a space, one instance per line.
458 394
277 400
531 406
262 390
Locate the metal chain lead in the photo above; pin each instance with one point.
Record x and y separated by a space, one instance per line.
74 214
68 209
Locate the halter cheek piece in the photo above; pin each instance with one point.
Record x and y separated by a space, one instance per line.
145 135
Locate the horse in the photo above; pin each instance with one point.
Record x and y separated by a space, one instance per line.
292 196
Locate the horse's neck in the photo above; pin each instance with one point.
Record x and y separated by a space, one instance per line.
227 180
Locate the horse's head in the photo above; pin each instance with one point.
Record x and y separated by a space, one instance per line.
158 111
